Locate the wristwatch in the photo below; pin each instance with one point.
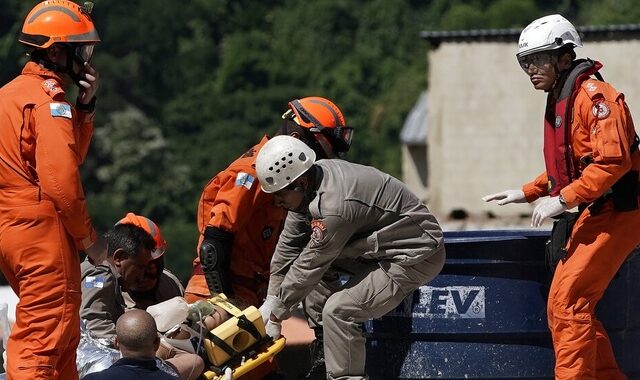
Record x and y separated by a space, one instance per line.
87 108
562 201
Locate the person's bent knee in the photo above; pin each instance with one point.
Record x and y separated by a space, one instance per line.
333 309
189 366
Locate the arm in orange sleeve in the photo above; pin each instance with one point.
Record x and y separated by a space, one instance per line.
537 188
57 158
611 135
233 206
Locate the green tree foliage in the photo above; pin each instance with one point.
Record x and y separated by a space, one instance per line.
605 12
189 86
137 168
462 16
511 13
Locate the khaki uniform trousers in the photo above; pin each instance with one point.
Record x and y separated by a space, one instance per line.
368 294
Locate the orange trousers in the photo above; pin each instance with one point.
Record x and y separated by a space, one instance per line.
598 246
41 264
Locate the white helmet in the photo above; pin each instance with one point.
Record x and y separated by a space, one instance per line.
547 33
281 161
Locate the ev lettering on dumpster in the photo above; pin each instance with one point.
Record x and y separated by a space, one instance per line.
450 302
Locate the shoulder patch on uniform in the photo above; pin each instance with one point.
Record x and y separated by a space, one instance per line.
60 110
52 88
600 110
590 87
318 230
93 282
244 179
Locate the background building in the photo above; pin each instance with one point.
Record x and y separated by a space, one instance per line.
483 122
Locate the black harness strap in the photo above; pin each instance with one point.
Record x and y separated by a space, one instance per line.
222 344
246 325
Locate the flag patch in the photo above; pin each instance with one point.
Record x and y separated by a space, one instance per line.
93 282
244 179
60 110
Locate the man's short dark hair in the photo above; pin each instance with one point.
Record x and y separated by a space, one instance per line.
129 238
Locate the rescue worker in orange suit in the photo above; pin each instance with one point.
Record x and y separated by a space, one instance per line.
239 224
592 162
44 220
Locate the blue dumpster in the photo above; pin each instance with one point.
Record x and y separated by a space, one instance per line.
484 317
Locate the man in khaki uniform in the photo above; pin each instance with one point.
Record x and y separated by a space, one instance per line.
159 283
129 252
346 214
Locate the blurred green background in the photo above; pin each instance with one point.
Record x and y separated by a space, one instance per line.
187 86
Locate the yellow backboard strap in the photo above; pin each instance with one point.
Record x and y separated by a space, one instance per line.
221 300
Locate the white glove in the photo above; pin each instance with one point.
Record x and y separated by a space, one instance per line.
267 307
273 329
546 209
506 197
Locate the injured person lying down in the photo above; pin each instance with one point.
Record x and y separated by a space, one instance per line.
216 329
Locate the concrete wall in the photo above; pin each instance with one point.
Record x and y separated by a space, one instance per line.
414 170
485 120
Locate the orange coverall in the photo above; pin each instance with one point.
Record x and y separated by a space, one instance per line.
241 208
601 127
43 221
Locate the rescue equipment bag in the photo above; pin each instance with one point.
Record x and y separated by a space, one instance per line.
556 246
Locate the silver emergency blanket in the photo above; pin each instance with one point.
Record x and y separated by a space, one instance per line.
94 355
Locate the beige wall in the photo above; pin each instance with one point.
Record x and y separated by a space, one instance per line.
414 170
485 120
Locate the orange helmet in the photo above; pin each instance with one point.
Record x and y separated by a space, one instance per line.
149 226
55 21
324 118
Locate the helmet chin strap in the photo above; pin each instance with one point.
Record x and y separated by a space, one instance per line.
555 81
314 177
326 145
67 69
560 77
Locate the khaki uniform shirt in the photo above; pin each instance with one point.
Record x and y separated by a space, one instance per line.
358 213
102 301
168 287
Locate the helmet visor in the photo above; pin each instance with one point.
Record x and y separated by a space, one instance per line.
158 251
537 59
84 52
346 135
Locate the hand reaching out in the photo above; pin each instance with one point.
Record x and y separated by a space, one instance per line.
506 197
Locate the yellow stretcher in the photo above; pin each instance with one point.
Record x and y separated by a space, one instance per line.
240 343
